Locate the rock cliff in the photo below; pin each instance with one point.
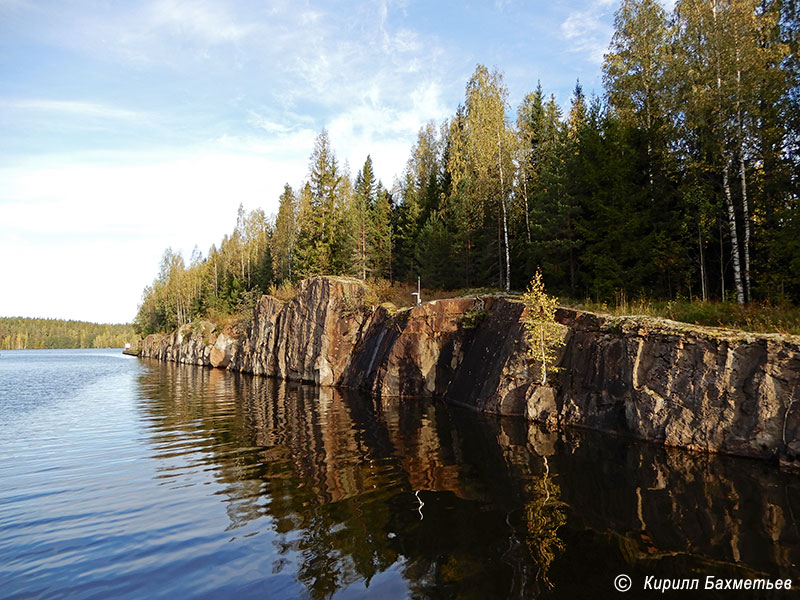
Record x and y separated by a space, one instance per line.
680 385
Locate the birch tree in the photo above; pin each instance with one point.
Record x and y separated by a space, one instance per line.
484 152
635 69
725 50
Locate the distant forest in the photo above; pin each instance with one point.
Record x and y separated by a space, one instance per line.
680 181
18 333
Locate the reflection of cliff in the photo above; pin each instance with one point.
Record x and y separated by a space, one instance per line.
451 503
724 510
352 488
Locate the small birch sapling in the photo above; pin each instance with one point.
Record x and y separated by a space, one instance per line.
543 334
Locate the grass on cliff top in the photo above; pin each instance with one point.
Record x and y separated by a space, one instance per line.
400 294
755 317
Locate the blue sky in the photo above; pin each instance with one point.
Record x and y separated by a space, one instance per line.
129 126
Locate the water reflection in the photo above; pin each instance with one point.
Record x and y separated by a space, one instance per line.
421 499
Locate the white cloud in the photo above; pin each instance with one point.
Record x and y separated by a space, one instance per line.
209 22
371 79
588 32
61 280
262 122
149 195
310 17
75 108
383 131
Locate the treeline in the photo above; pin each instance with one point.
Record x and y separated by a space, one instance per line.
19 333
680 181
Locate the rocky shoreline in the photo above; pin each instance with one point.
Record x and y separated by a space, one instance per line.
702 389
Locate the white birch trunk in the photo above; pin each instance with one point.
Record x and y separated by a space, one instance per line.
505 217
746 219
735 252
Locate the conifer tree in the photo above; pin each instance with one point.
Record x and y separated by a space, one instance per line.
344 240
530 125
364 196
548 189
322 201
406 225
380 235
311 254
285 235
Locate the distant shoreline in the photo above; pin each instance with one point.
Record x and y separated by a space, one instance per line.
23 333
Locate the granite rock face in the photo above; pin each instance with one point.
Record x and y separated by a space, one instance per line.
311 337
199 343
699 388
415 352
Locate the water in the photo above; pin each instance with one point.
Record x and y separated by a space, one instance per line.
122 478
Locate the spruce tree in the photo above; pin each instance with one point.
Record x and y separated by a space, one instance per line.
285 235
380 235
364 196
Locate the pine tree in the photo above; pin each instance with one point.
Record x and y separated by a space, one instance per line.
547 193
465 210
344 241
324 203
311 252
324 180
433 253
530 124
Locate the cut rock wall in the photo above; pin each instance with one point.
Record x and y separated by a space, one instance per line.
699 388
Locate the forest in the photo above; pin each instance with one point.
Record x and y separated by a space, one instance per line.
679 182
20 333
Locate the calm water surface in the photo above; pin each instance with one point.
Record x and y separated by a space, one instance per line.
122 478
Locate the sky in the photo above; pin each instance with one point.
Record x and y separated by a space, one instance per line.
130 126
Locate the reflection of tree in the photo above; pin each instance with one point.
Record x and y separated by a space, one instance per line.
538 512
465 546
544 514
331 503
336 474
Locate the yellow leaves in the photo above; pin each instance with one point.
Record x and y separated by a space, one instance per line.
484 125
543 334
